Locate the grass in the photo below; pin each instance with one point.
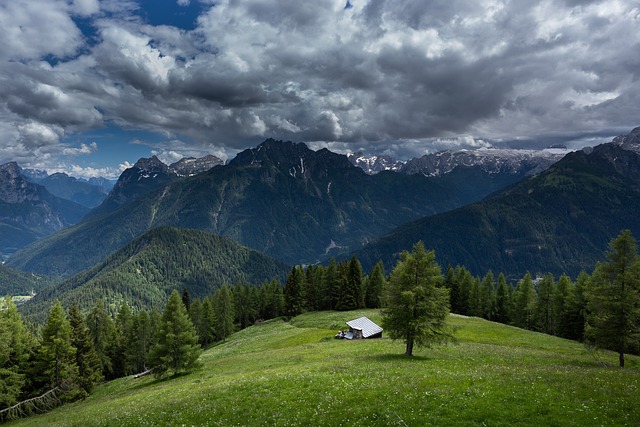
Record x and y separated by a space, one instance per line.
296 374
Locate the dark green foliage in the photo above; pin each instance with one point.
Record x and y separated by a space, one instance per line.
272 300
294 298
613 300
139 342
544 318
177 349
415 307
246 305
524 303
123 323
15 350
56 356
351 294
145 271
331 285
224 310
14 282
562 298
576 308
86 358
375 285
559 221
103 334
186 298
503 300
488 297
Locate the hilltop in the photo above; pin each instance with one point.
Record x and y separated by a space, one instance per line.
295 373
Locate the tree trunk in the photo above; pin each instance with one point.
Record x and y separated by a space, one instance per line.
409 350
622 359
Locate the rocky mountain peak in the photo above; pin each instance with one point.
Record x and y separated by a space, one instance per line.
630 142
190 166
10 170
151 164
374 164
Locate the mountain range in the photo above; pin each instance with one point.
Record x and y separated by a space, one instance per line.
29 212
558 221
280 198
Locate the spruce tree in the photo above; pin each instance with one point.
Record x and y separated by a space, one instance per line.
294 293
375 286
613 319
524 303
56 355
139 341
487 296
544 309
561 299
224 310
415 307
177 349
87 360
102 332
502 300
15 348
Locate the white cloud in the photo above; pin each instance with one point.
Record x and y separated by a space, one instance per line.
398 76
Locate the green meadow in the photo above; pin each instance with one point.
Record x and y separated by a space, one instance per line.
296 374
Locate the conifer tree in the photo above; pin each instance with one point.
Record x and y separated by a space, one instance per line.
177 349
487 296
331 285
312 287
139 341
544 313
15 350
124 320
576 307
56 355
613 299
415 307
245 305
207 325
375 286
86 358
294 293
524 303
502 300
351 287
223 308
475 304
273 300
102 332
561 299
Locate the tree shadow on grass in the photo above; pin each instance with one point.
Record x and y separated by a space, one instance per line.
397 358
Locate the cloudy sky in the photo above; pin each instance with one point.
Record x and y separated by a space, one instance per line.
89 86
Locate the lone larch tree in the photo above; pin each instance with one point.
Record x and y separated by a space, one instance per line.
415 307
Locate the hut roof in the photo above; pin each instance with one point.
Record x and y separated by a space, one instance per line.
365 325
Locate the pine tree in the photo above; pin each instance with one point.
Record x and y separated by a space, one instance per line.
245 305
86 358
524 303
331 285
577 307
139 341
416 308
15 349
102 332
502 300
177 349
294 293
543 314
375 286
223 308
56 356
118 355
350 293
487 296
561 299
613 300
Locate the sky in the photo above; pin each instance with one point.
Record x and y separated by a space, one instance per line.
87 87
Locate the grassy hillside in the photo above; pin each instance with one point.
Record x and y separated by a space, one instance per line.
291 374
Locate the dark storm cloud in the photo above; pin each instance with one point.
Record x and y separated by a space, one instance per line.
396 76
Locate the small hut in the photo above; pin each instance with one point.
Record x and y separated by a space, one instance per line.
361 328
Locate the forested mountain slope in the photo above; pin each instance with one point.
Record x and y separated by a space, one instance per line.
559 221
147 269
281 198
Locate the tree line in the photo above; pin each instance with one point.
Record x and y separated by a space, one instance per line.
73 352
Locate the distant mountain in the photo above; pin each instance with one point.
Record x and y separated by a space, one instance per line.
280 198
489 160
149 174
190 166
145 271
86 193
28 211
559 221
374 164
